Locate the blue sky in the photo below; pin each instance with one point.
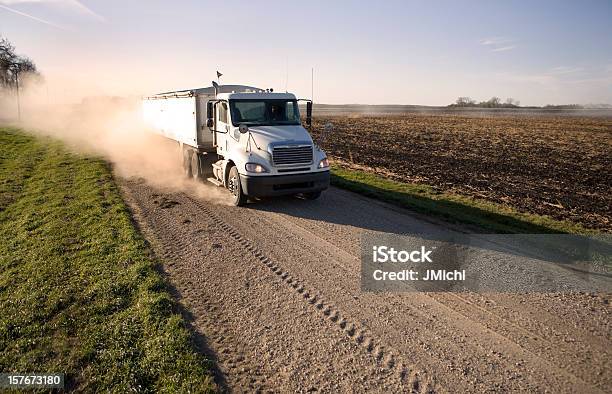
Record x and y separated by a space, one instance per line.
398 52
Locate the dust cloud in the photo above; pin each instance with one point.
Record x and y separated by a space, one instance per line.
110 127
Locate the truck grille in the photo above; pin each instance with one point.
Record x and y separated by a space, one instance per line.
288 155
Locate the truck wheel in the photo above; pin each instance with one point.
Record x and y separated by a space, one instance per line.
235 188
312 195
196 168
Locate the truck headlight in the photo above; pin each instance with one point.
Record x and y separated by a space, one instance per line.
254 167
324 163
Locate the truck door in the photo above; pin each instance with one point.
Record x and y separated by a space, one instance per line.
222 124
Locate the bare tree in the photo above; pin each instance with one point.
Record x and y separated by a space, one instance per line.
12 66
494 101
13 69
464 102
7 56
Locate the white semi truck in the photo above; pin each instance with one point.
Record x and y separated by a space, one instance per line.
249 140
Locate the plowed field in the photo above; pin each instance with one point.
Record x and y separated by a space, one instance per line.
555 166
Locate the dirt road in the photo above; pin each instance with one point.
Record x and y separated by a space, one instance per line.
273 292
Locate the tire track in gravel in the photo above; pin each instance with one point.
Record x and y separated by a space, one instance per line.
582 318
469 342
441 351
568 366
385 356
583 361
243 369
573 360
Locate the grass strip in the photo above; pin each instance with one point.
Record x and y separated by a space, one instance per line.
80 292
487 216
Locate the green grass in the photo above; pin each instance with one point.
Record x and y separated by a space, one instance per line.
487 216
80 292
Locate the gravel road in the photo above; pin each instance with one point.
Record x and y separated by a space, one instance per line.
273 294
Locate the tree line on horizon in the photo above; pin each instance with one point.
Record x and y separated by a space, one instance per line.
496 102
493 102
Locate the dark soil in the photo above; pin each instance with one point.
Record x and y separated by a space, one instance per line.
555 166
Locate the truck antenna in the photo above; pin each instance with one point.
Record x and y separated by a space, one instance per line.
312 85
286 73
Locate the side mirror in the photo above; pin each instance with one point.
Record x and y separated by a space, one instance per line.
309 113
209 114
243 128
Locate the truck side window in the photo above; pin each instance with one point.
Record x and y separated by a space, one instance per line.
291 111
223 112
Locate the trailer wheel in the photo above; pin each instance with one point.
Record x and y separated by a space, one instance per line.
235 188
196 168
187 162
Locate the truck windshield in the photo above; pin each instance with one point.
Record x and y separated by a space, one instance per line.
264 112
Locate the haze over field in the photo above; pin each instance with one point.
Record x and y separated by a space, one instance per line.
550 52
110 127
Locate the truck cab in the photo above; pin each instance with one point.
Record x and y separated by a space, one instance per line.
247 139
263 148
